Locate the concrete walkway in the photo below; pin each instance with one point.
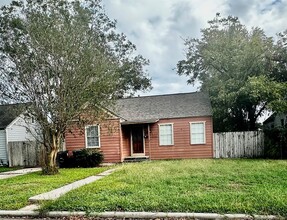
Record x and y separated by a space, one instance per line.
10 174
56 193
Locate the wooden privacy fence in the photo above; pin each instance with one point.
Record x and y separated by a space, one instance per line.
249 144
25 154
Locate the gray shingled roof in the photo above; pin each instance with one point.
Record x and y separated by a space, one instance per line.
8 113
164 106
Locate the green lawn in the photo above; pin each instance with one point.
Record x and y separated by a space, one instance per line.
15 191
220 186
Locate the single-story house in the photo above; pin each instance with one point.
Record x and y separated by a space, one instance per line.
276 120
13 128
170 126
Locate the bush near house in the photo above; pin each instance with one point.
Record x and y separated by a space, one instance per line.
80 158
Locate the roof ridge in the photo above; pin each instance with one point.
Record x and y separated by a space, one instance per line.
178 105
170 94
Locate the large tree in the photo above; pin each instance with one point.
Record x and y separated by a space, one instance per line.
241 70
66 59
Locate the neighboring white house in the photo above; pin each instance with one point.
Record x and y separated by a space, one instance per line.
13 128
276 120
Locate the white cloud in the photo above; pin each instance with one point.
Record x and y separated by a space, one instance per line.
4 2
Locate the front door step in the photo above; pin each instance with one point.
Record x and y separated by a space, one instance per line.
135 159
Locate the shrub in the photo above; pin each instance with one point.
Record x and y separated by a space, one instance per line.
80 158
64 160
275 143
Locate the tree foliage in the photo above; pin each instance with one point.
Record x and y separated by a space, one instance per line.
243 71
62 56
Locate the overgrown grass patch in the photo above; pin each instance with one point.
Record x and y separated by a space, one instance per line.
221 186
16 191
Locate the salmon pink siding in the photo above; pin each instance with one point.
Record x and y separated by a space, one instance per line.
115 140
182 147
126 144
109 140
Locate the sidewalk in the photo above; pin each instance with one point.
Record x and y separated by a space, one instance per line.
56 193
10 174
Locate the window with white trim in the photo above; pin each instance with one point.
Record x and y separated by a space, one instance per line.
197 132
165 134
92 133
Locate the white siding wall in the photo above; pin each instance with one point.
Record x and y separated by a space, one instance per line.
19 132
280 117
277 121
3 150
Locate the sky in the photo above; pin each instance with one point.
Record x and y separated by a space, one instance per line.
158 29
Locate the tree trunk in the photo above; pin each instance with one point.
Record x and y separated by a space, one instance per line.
252 119
50 164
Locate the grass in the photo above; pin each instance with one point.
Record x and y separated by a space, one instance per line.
16 191
220 186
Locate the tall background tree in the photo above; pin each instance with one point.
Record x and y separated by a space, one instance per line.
64 58
243 71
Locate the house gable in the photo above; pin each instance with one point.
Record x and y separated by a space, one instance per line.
21 130
13 128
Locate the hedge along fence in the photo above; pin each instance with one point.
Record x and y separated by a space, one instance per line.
247 144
